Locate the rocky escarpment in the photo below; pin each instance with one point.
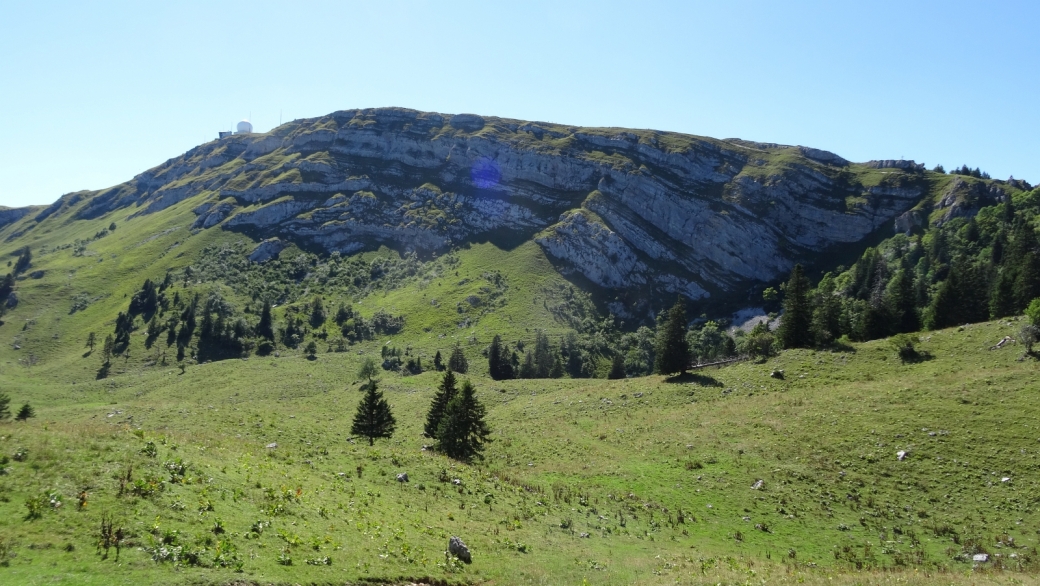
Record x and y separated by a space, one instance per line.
642 210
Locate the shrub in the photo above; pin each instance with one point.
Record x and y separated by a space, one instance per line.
904 345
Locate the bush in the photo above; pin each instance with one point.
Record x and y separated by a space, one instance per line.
904 345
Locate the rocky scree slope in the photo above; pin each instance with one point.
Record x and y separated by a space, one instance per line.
639 210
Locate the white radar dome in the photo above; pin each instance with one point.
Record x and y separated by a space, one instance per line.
245 126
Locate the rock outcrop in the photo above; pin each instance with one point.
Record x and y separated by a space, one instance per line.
624 208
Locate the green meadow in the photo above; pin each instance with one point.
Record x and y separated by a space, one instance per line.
244 471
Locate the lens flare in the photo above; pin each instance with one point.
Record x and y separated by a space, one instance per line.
485 173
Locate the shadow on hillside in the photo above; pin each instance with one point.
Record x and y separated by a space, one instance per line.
103 371
694 378
87 353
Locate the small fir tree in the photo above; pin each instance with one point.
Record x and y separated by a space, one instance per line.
796 325
463 432
457 361
498 361
107 348
91 340
5 406
445 393
373 418
672 351
265 329
25 412
438 362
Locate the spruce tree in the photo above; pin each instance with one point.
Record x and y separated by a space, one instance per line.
5 406
25 412
457 360
463 432
672 351
438 362
900 302
796 324
445 393
498 361
373 418
1002 299
1027 281
91 340
265 329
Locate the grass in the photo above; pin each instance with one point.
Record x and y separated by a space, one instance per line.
616 460
658 473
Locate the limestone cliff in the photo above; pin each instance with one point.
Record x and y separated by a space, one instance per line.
624 208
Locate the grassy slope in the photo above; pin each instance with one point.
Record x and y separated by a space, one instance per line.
815 441
824 444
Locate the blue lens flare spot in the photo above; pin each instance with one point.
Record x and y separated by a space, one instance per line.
485 173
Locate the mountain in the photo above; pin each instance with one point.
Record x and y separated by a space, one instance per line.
192 342
643 214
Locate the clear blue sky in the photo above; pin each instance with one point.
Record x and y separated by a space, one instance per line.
92 93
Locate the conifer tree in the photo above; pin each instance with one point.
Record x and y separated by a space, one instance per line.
107 348
265 329
5 406
373 418
1027 281
438 362
457 360
463 432
796 324
25 413
672 351
91 340
900 302
498 362
1002 299
445 393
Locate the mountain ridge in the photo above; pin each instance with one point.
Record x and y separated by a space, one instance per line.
647 212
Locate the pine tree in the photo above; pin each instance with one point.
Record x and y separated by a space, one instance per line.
265 329
438 362
899 298
463 432
796 324
373 418
24 260
498 361
528 368
617 367
826 319
671 348
25 413
445 393
457 360
1027 281
91 340
1002 299
107 348
317 312
5 406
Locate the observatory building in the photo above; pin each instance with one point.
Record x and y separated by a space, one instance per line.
244 127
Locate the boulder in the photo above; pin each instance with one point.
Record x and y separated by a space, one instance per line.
758 484
402 477
267 250
457 548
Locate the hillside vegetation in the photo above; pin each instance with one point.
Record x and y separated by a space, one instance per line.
194 405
